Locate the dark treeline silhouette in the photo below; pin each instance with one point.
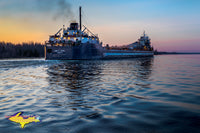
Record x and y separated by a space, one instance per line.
24 50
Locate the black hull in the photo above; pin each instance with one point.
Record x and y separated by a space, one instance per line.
90 52
86 51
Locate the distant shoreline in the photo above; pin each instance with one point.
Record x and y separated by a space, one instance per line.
167 53
23 58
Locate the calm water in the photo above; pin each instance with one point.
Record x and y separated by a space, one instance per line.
143 95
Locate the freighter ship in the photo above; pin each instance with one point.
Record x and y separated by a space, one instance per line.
75 43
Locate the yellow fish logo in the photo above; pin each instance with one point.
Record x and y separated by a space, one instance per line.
18 118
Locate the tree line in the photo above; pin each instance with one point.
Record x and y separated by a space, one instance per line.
24 50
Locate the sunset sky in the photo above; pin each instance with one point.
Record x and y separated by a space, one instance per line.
172 25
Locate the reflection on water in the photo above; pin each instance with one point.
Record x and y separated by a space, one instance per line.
73 75
86 83
159 94
73 81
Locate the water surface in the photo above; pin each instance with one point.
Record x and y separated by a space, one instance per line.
141 95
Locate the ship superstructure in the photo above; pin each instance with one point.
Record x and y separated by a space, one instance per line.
72 36
143 43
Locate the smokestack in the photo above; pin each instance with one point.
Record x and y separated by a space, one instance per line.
80 18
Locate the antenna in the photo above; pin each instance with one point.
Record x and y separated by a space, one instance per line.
80 18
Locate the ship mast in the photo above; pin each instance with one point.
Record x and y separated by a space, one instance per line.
80 18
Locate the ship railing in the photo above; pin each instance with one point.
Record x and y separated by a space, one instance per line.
62 43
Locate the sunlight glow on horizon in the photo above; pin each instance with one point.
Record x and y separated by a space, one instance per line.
170 25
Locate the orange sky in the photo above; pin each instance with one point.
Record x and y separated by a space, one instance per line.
17 32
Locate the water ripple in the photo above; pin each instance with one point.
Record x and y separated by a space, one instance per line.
159 94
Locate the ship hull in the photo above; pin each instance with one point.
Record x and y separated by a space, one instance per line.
120 54
90 52
86 51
